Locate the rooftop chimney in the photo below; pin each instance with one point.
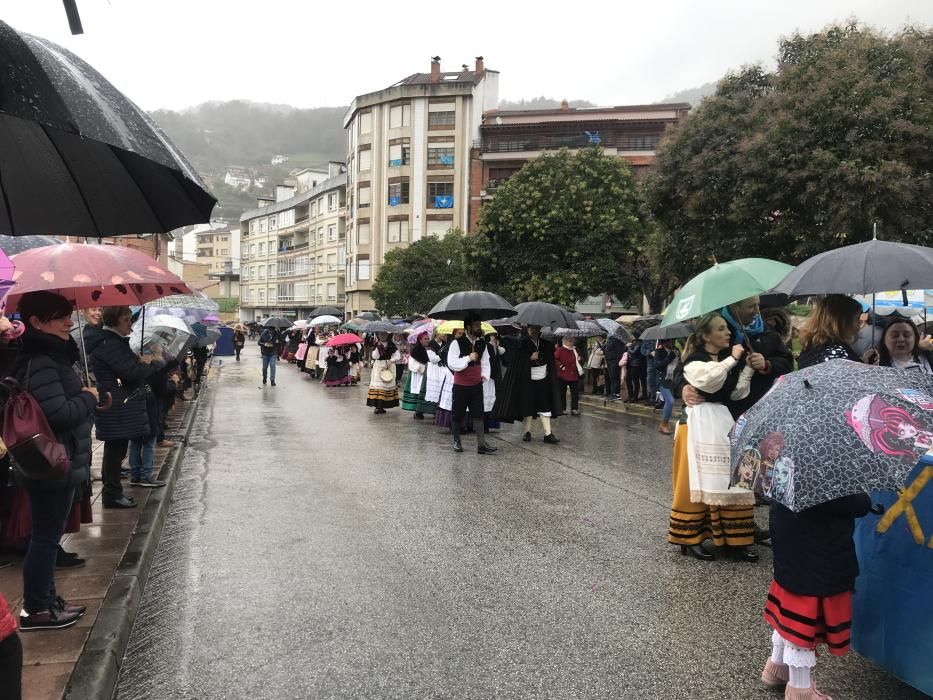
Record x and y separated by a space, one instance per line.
480 66
435 69
564 106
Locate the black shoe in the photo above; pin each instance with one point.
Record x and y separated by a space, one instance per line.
122 502
419 416
51 619
527 437
550 439
486 449
151 483
61 606
743 554
264 381
273 382
74 562
4 563
458 447
696 551
762 536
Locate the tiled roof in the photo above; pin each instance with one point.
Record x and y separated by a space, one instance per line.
466 76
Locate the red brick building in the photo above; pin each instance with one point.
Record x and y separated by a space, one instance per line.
508 139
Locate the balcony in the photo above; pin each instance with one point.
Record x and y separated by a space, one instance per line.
292 248
543 142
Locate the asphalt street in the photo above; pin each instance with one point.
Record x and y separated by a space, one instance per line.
315 550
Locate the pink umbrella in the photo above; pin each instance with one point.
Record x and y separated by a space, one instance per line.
93 275
343 339
7 268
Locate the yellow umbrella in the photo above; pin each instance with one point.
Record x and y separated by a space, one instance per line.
447 327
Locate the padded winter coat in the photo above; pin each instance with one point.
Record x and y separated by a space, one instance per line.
56 387
120 373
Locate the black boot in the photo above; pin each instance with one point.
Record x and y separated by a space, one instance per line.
696 551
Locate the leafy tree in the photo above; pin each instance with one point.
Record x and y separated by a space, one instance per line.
413 279
787 164
562 228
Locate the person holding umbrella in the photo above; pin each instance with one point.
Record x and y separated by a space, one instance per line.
468 359
239 340
531 389
268 347
383 390
45 368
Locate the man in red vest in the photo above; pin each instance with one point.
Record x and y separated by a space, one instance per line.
468 359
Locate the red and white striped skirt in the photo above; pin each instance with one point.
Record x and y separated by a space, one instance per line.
806 620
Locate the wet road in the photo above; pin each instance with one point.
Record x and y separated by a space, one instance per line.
316 550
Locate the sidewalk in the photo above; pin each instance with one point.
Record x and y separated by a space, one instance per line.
634 409
50 657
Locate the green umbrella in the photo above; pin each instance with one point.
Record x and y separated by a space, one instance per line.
724 284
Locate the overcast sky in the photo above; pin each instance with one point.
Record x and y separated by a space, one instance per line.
174 54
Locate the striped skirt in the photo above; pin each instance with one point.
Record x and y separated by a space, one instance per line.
692 523
806 620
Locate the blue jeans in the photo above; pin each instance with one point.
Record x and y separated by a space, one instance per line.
268 366
50 509
142 454
668 403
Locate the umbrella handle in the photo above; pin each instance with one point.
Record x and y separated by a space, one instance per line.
106 403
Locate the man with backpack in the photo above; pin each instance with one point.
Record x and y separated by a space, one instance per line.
269 347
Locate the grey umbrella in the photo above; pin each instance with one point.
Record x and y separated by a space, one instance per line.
541 313
382 327
675 330
613 328
277 322
863 268
369 316
486 305
325 311
11 245
584 329
70 137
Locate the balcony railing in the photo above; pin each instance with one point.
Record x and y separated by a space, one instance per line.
625 142
292 248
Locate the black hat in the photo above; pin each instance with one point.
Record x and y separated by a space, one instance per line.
471 317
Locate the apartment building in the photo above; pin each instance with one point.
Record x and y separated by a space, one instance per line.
293 250
408 165
509 139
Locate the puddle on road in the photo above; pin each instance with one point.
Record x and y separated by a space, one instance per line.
155 665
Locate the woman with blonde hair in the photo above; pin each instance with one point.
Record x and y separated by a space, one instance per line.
704 506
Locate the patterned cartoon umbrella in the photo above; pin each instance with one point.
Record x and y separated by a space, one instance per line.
833 430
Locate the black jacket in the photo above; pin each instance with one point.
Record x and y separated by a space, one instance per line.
827 351
662 358
813 550
69 410
614 349
119 372
723 395
516 400
771 345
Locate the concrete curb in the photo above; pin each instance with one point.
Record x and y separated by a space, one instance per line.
96 672
625 408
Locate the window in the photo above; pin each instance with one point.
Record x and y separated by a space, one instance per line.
271 293
364 196
262 295
252 272
272 224
251 294
332 262
262 249
398 193
399 154
441 156
224 239
320 236
252 249
252 226
301 291
271 271
438 228
362 268
441 116
440 195
313 208
366 122
365 161
362 234
262 225
331 291
320 290
262 272
225 251
332 202
398 231
399 115
332 232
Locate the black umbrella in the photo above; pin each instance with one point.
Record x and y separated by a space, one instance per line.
277 322
78 157
675 330
540 313
642 323
11 245
382 327
863 268
326 311
485 304
369 316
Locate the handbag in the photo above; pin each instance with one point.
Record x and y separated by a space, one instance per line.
28 437
579 366
597 358
387 375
